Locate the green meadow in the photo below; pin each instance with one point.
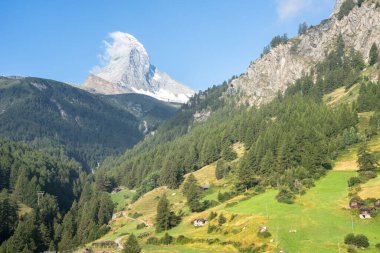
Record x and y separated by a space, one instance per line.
319 217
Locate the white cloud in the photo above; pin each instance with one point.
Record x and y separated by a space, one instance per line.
288 9
118 46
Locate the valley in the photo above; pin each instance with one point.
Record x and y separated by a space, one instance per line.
283 158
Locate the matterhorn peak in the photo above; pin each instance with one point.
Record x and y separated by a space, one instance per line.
126 68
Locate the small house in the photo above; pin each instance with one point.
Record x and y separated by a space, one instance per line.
204 187
377 203
263 230
356 203
364 215
200 222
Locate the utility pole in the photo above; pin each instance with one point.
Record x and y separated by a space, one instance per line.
40 195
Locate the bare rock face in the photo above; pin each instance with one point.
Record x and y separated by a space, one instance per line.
128 70
286 63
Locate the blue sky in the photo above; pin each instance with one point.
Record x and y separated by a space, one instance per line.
198 42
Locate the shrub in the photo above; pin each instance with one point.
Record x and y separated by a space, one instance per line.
135 215
143 235
361 241
211 228
231 204
153 240
285 196
364 176
222 197
349 239
140 226
358 240
353 181
181 239
166 239
221 219
377 245
233 216
212 216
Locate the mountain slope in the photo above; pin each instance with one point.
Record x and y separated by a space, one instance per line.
147 109
285 63
128 70
51 115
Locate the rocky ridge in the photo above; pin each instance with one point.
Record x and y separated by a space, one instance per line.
284 64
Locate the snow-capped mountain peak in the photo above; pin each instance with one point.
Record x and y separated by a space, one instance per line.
127 69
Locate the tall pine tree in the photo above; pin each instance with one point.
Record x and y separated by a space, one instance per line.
132 245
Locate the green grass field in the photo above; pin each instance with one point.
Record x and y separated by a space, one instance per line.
122 199
319 217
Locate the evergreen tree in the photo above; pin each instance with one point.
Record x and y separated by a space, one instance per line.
8 216
163 218
103 182
228 153
25 238
221 219
373 54
171 175
302 28
193 196
221 169
132 245
189 181
366 160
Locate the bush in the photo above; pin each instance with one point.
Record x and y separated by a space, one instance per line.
285 196
183 240
135 215
212 216
360 240
153 240
211 228
349 239
222 197
140 226
377 246
143 235
364 176
231 204
221 219
353 181
166 239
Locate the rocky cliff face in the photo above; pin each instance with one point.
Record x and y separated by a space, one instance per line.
284 64
128 70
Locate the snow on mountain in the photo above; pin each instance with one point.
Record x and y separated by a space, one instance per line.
127 69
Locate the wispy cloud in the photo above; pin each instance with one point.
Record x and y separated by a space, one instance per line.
288 9
118 46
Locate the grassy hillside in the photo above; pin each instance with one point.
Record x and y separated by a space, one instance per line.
317 221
